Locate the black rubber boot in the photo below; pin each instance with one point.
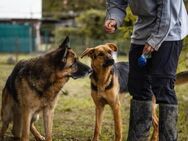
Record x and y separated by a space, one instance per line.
168 116
140 120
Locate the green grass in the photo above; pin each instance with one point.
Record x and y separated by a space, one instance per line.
75 112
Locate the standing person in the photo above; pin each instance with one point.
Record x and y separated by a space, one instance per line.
159 30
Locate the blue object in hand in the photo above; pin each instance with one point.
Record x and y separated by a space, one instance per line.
142 60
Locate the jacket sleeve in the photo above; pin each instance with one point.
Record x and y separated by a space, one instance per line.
165 20
116 10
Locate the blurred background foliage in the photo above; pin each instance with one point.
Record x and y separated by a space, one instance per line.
89 18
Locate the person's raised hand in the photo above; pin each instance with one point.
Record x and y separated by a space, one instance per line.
110 26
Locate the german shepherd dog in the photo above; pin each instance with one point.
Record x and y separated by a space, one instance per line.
108 79
33 87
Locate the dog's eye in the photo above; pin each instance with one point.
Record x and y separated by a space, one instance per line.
101 54
110 52
73 63
71 66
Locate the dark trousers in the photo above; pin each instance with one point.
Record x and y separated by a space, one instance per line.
158 76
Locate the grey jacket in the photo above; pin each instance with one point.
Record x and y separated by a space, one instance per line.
158 20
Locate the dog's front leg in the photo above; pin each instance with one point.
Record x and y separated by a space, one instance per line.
117 120
36 134
98 121
48 122
26 120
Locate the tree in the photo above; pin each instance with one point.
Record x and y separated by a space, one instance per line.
91 23
56 8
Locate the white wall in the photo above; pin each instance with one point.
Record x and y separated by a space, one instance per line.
20 9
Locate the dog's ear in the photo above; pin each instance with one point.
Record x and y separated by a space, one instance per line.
88 52
63 49
65 43
112 46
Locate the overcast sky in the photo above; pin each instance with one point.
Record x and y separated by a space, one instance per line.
20 9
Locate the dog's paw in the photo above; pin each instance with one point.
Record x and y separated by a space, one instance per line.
41 138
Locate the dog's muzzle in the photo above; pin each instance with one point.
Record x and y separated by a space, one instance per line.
82 70
108 63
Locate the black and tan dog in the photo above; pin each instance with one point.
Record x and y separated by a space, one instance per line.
33 87
107 81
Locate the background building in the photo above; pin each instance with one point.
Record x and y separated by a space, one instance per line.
20 25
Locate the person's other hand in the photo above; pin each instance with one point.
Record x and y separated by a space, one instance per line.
110 26
147 49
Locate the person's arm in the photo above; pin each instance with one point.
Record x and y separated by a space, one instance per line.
116 10
167 14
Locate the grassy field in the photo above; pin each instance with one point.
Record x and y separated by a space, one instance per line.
74 115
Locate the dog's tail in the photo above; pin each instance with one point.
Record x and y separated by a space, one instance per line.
182 78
